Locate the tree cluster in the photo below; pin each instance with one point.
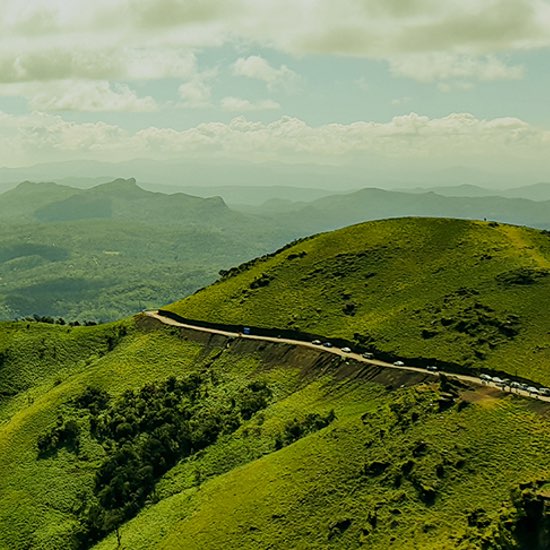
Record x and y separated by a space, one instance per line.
298 428
144 434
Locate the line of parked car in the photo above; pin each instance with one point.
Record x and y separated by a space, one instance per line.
345 349
497 381
513 385
366 354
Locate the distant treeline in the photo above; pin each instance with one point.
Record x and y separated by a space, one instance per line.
58 321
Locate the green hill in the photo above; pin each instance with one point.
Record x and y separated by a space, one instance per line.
469 293
139 435
290 448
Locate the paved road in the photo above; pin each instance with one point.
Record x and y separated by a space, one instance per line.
336 351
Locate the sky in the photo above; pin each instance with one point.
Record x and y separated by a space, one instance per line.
356 83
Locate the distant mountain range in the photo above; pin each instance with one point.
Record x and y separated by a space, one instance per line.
108 251
192 173
120 199
105 251
340 210
535 192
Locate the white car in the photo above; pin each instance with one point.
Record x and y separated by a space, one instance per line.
399 363
346 349
486 377
368 355
316 342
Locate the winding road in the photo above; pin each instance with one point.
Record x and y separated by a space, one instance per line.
347 355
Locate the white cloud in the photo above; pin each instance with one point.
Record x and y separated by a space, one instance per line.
258 68
399 101
445 66
125 39
90 96
80 95
237 104
457 138
95 64
197 92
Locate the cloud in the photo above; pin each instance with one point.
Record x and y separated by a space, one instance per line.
197 92
382 28
443 66
456 138
258 68
91 97
105 40
399 101
236 104
95 64
83 96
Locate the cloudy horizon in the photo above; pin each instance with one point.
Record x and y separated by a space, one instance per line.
416 81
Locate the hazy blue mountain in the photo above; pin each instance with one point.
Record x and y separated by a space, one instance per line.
256 195
108 251
369 171
463 190
535 192
368 204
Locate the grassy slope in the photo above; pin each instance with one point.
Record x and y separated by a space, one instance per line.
37 496
293 498
403 276
241 492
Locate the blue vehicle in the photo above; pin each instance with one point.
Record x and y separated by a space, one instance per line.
246 330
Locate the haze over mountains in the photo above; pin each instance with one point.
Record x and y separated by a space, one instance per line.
85 252
366 204
108 251
215 173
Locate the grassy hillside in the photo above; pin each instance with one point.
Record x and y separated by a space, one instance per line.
330 458
470 293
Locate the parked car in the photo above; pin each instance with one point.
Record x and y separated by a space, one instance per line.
431 368
368 355
544 391
345 349
533 390
316 342
399 363
486 377
327 345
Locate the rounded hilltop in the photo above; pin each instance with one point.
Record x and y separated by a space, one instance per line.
466 292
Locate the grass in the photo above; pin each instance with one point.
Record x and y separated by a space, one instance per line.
404 464
323 490
315 493
469 293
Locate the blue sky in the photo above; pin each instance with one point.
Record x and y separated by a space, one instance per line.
308 81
